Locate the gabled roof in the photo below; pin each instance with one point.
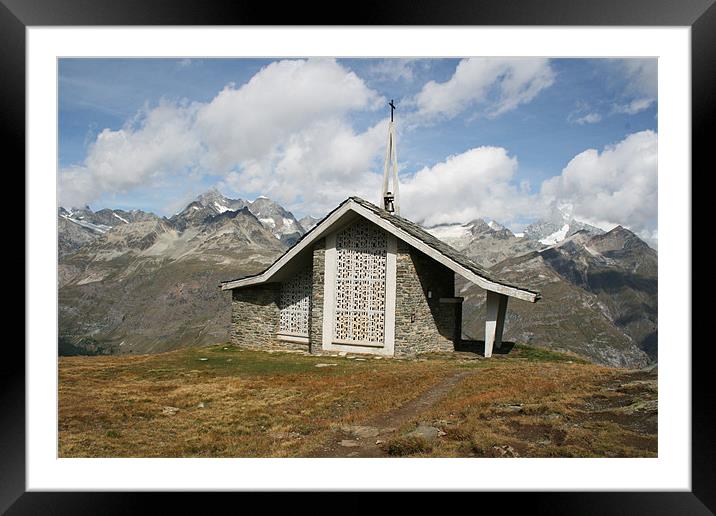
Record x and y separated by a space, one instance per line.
403 229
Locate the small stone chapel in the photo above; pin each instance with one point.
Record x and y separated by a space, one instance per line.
366 280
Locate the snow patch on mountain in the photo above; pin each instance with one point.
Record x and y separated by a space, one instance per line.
308 222
556 237
100 228
120 218
220 207
449 231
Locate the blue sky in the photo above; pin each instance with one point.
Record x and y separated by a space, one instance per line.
499 138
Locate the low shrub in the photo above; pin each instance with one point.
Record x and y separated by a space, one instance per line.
408 445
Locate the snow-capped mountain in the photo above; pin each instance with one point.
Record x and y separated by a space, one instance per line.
216 201
278 220
459 235
599 298
78 226
308 222
485 241
560 225
547 232
152 285
130 281
103 220
205 207
553 232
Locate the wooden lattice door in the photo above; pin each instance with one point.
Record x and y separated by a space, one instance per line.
361 251
296 304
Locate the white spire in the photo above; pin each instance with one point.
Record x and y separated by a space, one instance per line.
390 197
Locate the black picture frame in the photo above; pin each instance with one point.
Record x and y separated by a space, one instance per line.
700 15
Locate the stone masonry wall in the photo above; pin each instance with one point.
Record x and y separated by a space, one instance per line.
315 331
255 318
422 324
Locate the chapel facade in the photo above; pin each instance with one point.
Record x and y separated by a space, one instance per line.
365 280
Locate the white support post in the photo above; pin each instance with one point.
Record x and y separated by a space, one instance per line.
329 289
495 321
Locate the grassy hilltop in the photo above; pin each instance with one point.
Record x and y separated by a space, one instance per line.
225 401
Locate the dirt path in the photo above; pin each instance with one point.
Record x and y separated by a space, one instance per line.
360 440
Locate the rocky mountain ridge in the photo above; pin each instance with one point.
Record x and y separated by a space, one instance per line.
203 210
131 281
599 298
150 284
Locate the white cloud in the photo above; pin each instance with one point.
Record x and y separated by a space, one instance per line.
393 69
476 183
634 107
589 118
289 112
632 84
496 85
615 186
317 167
284 97
286 134
640 88
155 143
641 76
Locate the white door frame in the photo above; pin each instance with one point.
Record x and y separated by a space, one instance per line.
329 303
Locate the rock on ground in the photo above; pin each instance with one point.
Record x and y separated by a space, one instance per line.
429 433
363 432
505 451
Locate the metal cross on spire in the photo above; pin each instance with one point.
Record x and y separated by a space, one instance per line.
390 198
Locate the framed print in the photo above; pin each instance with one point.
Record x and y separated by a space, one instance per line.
416 250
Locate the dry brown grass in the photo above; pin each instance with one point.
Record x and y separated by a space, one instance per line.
255 405
240 403
548 410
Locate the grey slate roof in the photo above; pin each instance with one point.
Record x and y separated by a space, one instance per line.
417 232
434 242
